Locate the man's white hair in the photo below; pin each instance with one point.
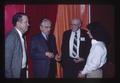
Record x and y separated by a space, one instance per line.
46 20
76 19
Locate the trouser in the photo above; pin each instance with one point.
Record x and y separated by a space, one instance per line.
23 73
95 74
71 69
52 70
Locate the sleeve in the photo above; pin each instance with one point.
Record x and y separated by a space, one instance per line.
55 51
37 52
94 59
63 50
9 52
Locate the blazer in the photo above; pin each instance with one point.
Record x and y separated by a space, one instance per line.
38 49
83 49
13 55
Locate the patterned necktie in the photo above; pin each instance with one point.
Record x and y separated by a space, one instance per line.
74 53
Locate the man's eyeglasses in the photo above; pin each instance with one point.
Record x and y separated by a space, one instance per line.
74 24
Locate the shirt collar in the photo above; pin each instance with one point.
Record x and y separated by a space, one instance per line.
44 35
19 32
94 41
78 31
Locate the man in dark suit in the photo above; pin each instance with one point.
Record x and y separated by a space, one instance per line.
75 48
15 54
43 52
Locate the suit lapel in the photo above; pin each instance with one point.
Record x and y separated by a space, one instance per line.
18 37
43 41
19 44
69 34
67 40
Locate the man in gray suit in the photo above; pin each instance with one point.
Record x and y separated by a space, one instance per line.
15 54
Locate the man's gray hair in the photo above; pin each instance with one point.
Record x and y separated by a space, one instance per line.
45 20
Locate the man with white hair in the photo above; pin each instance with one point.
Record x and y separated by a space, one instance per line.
43 52
75 48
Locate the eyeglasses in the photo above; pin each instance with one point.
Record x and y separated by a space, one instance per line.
74 24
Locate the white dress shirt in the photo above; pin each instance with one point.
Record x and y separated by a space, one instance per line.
23 47
71 43
96 58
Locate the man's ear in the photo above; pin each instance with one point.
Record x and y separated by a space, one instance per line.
40 27
18 23
80 25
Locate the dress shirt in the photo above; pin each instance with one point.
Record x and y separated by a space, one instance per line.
96 58
23 47
44 35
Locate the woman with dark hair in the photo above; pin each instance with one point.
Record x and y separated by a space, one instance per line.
97 56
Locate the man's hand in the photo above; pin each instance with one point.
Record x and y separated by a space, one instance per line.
78 60
81 75
49 54
58 57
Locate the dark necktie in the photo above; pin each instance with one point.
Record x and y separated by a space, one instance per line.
48 44
23 36
74 53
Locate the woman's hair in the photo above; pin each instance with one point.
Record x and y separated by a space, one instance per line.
98 32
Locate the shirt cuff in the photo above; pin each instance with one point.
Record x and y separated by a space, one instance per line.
83 72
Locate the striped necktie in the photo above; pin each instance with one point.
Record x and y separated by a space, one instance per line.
74 53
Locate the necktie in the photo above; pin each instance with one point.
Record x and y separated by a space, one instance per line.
74 53
46 37
48 43
24 53
24 41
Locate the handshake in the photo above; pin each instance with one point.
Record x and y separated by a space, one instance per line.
51 55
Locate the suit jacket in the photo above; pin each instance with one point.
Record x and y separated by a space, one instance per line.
83 49
13 55
41 63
